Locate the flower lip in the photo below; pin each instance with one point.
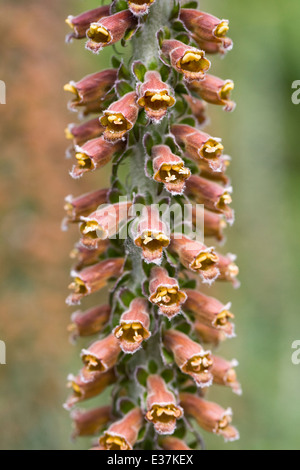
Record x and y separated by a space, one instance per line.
93 230
211 149
139 7
115 123
78 286
226 90
152 240
112 441
172 173
199 364
131 333
222 319
204 261
194 62
156 100
164 416
84 161
92 363
222 29
99 34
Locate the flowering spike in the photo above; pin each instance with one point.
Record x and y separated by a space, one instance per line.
143 237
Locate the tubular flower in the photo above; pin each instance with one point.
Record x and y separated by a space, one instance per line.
104 223
123 434
89 423
210 416
169 169
109 30
196 257
101 355
152 236
81 23
94 278
92 88
224 374
146 237
210 312
94 154
134 326
190 357
155 96
199 146
162 409
214 90
189 61
120 117
90 322
139 7
212 195
207 29
165 292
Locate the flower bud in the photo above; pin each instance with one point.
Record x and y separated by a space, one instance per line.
90 322
155 96
101 355
196 257
84 204
91 88
228 269
120 117
123 434
198 108
224 374
94 154
214 90
82 133
139 7
162 409
173 443
189 61
190 357
86 385
206 28
104 223
109 30
214 224
94 278
134 325
169 169
210 312
165 293
81 23
214 197
89 423
199 145
152 235
210 416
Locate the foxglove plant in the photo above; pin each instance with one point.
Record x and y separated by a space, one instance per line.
153 338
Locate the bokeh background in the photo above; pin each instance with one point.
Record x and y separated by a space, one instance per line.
262 136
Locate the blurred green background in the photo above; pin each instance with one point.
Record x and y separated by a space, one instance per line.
262 138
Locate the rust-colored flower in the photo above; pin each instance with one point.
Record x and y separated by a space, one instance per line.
90 422
90 322
228 269
210 416
162 408
109 30
169 169
224 374
199 145
173 443
81 23
120 117
196 256
210 311
123 434
155 96
190 357
206 28
208 334
104 223
139 7
94 278
212 195
189 61
165 292
88 385
133 328
152 235
214 224
83 205
214 90
101 355
92 88
81 133
94 154
219 176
